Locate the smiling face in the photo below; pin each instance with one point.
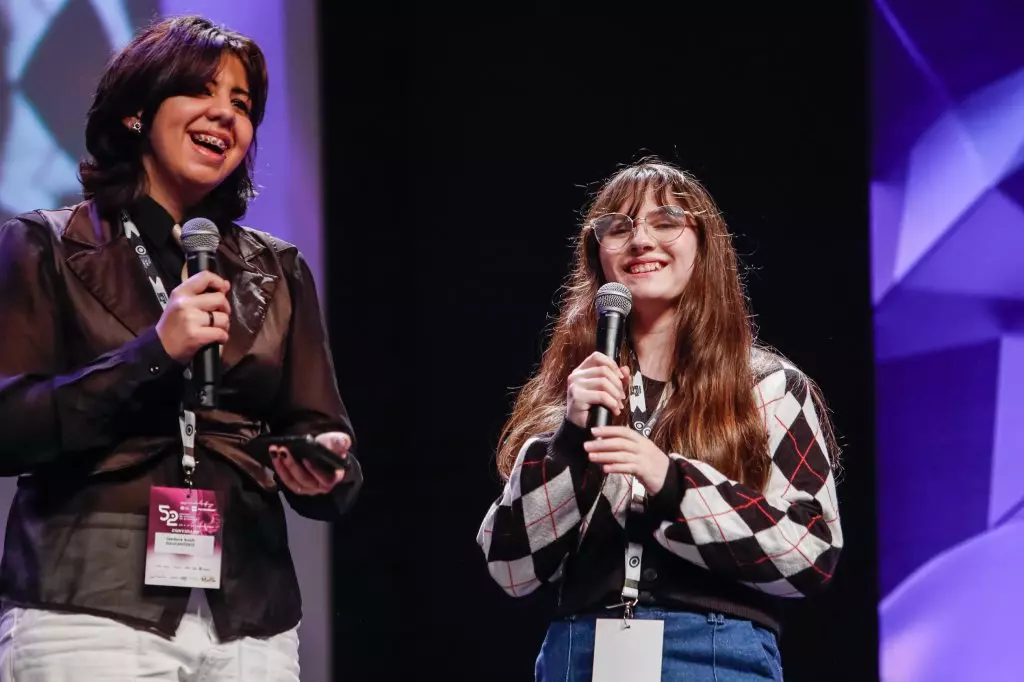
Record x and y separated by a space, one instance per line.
197 141
655 273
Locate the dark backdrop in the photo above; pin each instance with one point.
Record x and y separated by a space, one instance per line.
459 152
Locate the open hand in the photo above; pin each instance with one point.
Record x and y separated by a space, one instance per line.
621 450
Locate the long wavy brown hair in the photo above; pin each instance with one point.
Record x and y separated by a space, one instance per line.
711 414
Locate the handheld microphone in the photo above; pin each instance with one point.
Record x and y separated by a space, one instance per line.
613 303
200 239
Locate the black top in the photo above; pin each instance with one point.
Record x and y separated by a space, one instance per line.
156 226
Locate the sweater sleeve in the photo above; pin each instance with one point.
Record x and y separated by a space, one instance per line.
541 514
784 540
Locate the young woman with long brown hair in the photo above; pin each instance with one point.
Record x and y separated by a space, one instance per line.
707 499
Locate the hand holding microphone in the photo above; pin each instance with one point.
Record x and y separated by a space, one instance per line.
617 449
598 388
198 316
596 382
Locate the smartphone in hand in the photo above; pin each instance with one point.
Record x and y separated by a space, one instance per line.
301 448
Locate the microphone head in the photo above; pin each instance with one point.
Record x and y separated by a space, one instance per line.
199 234
613 297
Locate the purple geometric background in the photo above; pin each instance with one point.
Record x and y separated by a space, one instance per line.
947 228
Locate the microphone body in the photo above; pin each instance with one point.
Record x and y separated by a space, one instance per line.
613 304
611 326
200 239
205 363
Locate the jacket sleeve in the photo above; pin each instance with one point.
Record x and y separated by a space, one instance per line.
542 513
309 401
784 540
47 408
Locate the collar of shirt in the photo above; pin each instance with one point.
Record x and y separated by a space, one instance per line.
153 221
157 228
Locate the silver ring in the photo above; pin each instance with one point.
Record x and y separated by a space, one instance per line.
210 313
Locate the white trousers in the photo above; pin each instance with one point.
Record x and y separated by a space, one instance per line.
48 646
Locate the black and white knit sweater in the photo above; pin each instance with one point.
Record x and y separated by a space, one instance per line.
710 543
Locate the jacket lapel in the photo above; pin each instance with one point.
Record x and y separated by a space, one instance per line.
106 264
103 259
240 257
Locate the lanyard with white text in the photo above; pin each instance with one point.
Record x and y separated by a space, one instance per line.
642 420
186 418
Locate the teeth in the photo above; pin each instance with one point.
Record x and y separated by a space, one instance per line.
210 139
644 267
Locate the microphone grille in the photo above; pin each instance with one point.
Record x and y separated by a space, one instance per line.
199 234
614 297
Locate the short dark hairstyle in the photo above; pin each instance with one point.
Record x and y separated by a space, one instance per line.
177 56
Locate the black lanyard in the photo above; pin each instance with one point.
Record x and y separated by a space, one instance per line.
186 418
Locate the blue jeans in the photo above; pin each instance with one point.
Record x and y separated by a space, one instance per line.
698 646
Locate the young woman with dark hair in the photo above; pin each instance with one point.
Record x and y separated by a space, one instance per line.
711 495
94 391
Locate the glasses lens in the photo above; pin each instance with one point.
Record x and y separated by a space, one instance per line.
613 230
666 223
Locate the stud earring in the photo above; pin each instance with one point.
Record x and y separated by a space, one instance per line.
137 126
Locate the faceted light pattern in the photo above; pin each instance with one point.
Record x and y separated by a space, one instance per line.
947 227
52 53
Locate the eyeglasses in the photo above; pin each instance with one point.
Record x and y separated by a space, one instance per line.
614 230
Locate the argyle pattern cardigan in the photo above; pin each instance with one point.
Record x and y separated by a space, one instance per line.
784 540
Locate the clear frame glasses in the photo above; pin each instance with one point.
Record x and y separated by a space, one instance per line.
664 224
